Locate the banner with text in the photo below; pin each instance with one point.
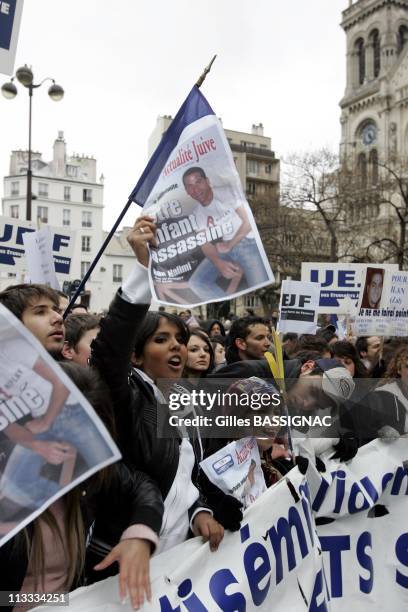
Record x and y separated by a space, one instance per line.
298 307
10 17
383 303
208 246
12 248
359 511
340 284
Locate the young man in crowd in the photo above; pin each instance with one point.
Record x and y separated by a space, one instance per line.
249 338
80 330
370 350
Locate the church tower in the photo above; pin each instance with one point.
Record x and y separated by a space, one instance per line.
374 109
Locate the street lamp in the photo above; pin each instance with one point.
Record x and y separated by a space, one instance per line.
25 76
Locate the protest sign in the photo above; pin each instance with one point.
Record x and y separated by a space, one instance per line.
208 246
271 563
40 261
383 304
10 17
12 246
50 437
360 509
337 281
298 308
236 470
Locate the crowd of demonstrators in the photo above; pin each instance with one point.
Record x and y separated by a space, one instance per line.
50 555
126 363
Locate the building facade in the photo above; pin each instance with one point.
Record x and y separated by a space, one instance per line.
67 194
374 115
374 111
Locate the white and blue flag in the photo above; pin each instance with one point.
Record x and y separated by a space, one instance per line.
208 246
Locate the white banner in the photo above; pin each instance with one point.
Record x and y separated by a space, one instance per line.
340 284
208 246
273 562
50 436
40 261
298 308
12 249
362 510
383 304
10 17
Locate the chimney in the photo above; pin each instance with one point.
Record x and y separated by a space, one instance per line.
60 154
257 129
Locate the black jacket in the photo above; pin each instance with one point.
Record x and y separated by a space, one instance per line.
128 499
136 408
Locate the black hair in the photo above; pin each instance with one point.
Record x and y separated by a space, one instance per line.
77 325
19 297
218 340
361 345
308 342
210 324
240 328
289 336
150 324
345 349
194 170
203 336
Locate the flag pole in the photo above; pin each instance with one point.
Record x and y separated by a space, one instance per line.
119 219
205 72
97 258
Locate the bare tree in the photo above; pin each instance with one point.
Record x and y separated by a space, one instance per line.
391 195
312 181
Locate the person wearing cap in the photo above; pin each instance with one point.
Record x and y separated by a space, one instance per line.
313 386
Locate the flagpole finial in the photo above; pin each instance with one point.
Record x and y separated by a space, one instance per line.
205 72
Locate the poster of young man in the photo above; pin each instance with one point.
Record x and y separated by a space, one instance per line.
50 437
208 247
383 304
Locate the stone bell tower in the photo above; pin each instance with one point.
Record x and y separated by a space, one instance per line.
374 115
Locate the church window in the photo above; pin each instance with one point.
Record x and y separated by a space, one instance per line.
373 161
362 169
375 42
361 60
402 37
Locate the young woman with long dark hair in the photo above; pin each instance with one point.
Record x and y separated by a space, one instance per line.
158 342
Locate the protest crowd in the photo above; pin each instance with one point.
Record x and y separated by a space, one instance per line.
158 495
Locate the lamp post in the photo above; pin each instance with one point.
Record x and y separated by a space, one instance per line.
25 76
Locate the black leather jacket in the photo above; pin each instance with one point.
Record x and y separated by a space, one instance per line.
136 409
129 498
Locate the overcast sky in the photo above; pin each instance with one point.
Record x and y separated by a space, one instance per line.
124 62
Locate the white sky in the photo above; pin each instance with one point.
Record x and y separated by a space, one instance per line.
124 62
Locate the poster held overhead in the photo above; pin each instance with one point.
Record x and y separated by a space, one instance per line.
10 17
208 247
298 308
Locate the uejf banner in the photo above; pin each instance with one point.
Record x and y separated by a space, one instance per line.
299 304
12 249
340 284
10 17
